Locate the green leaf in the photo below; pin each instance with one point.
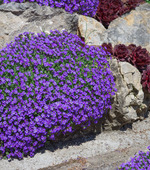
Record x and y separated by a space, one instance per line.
7 153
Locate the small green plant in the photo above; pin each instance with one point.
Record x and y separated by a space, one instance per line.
148 1
1 2
86 32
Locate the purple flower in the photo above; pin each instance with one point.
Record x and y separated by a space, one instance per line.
38 106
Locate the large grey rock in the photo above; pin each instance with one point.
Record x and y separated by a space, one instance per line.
130 28
127 106
16 18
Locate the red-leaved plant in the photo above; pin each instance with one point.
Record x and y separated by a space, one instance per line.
146 79
108 10
140 58
137 56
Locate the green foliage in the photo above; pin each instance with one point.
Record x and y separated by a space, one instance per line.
148 1
1 2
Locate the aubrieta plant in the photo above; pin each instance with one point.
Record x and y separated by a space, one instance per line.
49 86
141 161
83 7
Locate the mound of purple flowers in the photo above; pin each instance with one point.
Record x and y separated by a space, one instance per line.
139 162
49 86
83 7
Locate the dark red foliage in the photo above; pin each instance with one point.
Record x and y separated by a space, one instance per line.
108 47
131 47
108 10
140 58
121 52
146 79
137 56
83 39
132 4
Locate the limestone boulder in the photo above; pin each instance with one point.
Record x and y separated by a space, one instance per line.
127 104
16 18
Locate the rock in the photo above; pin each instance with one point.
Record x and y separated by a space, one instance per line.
16 18
128 103
130 28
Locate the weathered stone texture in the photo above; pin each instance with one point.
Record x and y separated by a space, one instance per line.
130 28
128 103
16 18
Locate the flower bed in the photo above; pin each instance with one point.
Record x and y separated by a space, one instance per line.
27 129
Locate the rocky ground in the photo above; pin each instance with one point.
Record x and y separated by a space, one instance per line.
133 140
